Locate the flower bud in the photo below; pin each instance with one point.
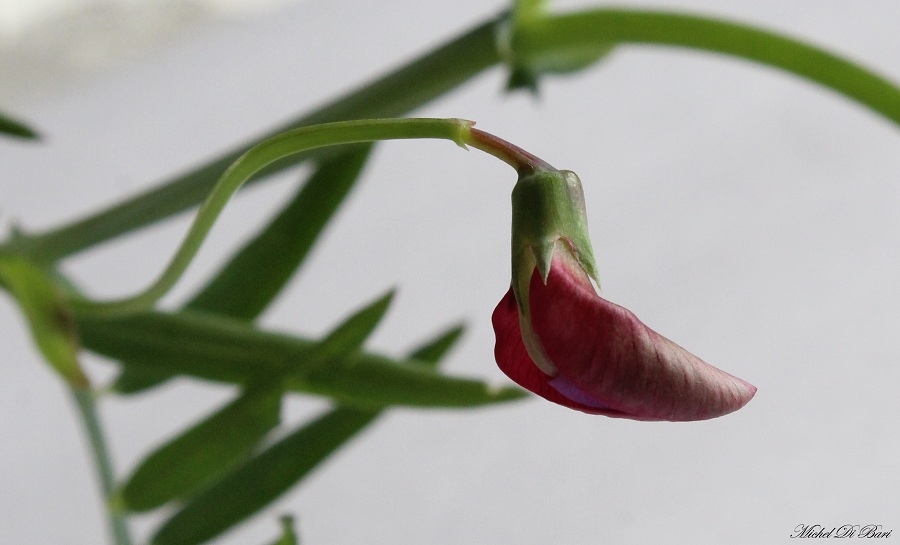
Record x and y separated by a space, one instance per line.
557 338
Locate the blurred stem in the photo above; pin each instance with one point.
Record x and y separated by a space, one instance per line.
87 409
538 37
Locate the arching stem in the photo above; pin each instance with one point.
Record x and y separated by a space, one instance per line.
297 141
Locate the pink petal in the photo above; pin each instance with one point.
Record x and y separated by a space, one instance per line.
604 351
514 361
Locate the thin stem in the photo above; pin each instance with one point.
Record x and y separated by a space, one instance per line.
87 409
542 37
292 143
510 154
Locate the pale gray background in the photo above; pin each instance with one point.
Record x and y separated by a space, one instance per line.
749 216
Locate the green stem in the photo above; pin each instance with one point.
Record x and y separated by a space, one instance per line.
461 59
538 37
291 143
87 409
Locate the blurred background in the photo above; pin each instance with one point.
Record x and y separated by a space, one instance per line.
747 215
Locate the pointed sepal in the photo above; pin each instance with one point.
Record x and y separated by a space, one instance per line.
548 210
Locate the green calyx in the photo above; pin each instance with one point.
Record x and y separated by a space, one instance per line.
547 208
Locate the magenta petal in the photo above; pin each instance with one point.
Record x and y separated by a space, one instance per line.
514 361
610 355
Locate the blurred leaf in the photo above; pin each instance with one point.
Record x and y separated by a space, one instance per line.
192 343
374 381
48 316
525 72
208 450
262 479
431 353
224 350
134 380
272 473
15 128
288 534
346 338
256 274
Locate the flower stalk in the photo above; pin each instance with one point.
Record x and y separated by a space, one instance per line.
292 143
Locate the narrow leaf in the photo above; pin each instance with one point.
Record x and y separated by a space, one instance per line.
48 316
345 338
191 343
134 380
266 477
223 350
430 353
12 127
257 272
208 450
377 381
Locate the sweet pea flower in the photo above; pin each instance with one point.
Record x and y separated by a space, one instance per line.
557 338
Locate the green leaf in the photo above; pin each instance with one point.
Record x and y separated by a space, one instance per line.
12 127
375 381
134 380
430 353
206 451
288 535
266 477
223 350
258 482
346 338
191 343
48 316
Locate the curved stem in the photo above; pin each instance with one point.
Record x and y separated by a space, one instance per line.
510 154
453 63
87 409
297 141
542 37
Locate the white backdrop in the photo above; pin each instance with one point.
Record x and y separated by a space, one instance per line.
745 214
